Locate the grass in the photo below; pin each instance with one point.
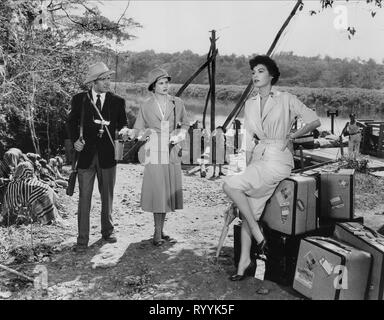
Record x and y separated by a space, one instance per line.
368 191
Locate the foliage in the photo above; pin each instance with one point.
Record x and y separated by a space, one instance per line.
360 165
314 72
45 48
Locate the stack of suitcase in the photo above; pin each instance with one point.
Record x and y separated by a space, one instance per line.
350 265
316 244
368 240
282 254
328 269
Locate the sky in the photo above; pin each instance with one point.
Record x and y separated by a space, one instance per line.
248 27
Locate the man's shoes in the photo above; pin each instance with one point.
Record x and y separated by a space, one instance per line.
110 239
81 248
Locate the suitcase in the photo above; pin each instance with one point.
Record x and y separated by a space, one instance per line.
282 254
337 195
292 208
281 258
368 240
327 269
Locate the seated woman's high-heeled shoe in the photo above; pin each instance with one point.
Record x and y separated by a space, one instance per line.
262 250
262 247
248 272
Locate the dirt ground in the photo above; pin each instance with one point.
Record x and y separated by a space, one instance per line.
133 268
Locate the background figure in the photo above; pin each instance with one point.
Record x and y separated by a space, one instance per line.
269 116
8 164
59 179
353 130
26 192
102 110
162 182
204 149
46 174
60 163
12 158
219 136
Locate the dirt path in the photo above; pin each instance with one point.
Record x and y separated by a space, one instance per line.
133 268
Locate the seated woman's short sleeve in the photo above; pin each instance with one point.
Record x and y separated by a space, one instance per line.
300 110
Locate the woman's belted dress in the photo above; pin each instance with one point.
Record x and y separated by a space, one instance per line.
270 161
161 190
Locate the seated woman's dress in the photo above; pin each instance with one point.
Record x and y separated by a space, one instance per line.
270 161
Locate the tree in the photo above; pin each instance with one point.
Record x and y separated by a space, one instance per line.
45 46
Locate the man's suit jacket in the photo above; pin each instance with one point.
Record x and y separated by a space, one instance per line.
113 110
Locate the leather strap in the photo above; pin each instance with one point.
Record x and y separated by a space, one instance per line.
174 115
102 119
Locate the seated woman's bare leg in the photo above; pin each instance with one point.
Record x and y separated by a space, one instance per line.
246 242
240 199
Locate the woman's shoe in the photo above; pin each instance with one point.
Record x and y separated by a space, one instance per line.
262 249
158 243
248 272
168 238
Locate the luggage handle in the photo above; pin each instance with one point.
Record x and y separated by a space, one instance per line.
374 232
334 242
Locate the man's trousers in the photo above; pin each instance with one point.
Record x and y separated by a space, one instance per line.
106 181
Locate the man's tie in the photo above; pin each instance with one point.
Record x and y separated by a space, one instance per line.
98 102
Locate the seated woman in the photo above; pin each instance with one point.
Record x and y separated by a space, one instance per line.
26 193
269 115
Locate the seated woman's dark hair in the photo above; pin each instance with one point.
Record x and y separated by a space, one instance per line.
269 63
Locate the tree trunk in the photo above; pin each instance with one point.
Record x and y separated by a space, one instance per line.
31 122
48 140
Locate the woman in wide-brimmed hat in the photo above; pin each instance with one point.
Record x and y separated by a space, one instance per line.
165 118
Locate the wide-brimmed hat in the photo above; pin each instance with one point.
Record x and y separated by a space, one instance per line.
155 75
97 71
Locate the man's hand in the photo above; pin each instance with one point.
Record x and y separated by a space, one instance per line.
127 134
79 145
